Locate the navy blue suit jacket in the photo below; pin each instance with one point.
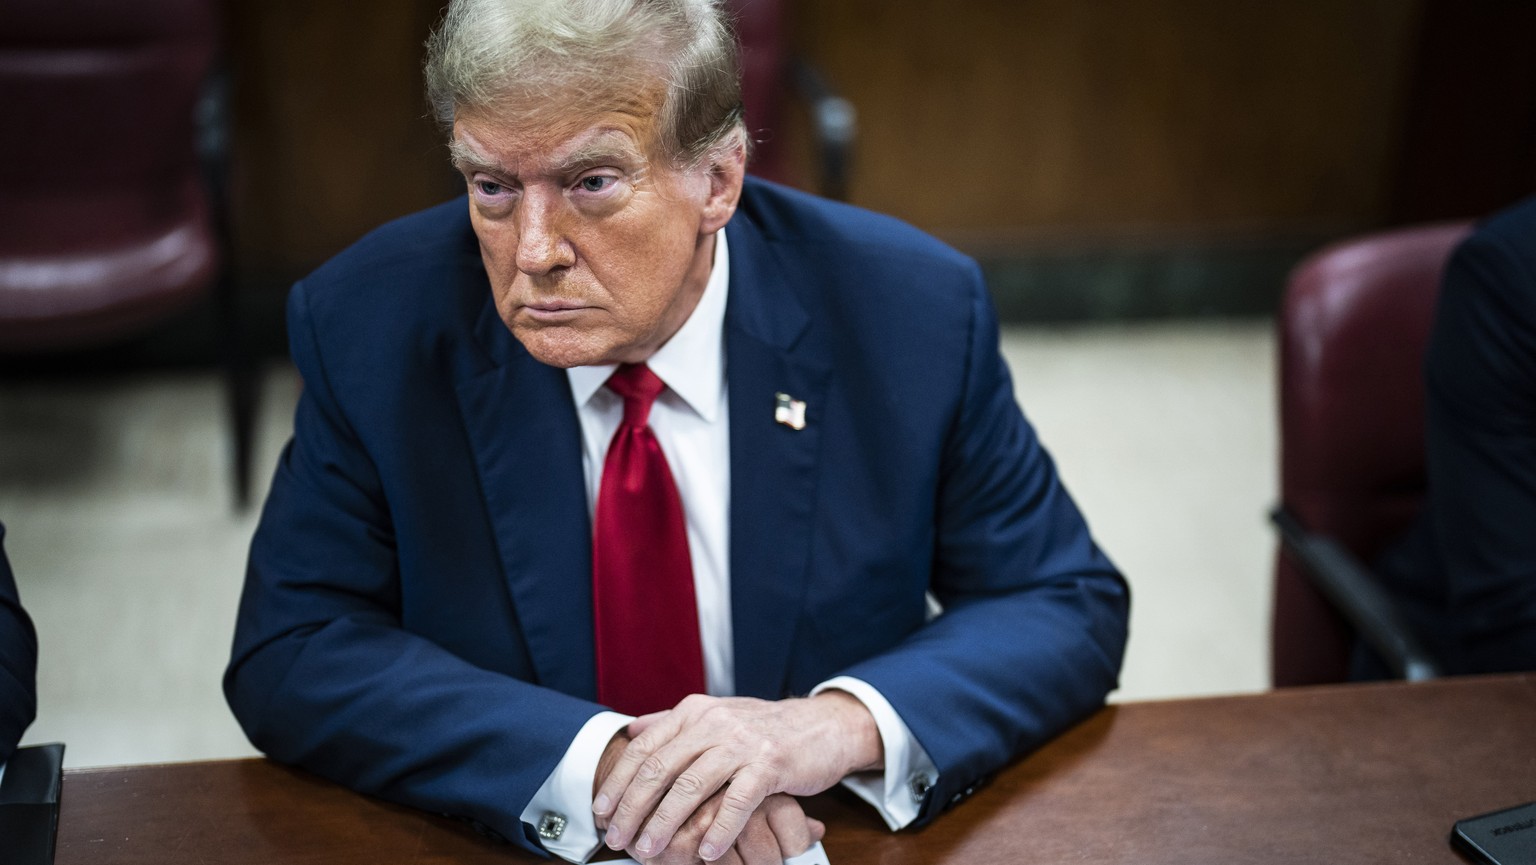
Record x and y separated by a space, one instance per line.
18 662
417 618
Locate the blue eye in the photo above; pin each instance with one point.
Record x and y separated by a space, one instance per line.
595 182
488 187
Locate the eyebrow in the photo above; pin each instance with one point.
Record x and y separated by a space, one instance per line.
608 147
464 158
605 148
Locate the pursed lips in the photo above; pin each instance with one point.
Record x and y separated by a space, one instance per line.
554 310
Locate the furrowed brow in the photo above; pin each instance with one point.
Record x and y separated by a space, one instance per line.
600 152
466 160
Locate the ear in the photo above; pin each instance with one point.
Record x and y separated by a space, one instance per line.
727 168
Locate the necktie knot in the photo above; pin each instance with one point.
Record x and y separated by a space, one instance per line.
639 387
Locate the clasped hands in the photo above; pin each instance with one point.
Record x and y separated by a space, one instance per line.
714 779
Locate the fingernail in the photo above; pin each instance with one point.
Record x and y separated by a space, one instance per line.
612 838
644 844
601 804
707 851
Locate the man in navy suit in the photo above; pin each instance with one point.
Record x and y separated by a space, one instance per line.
18 662
427 610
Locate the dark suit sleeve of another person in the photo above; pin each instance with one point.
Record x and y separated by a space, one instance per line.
1470 569
18 662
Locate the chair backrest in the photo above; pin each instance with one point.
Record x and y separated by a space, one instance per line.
1352 331
102 203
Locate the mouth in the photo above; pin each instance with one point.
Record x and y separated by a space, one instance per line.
550 311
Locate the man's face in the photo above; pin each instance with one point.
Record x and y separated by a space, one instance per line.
597 249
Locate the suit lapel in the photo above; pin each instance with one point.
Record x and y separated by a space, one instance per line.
522 425
773 467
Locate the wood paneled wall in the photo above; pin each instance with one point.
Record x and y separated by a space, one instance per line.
992 118
332 132
999 116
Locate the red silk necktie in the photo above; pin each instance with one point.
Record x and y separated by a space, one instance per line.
646 616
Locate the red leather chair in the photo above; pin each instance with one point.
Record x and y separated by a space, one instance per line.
110 179
1352 331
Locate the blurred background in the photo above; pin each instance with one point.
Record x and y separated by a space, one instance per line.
1135 176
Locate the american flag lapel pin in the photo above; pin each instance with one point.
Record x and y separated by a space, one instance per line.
789 411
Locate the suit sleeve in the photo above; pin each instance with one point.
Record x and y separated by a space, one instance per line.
1035 616
1481 452
323 674
18 662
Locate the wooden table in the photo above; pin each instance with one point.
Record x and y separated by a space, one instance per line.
1344 774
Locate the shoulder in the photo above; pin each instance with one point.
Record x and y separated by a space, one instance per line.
883 301
1514 227
855 271
430 245
787 217
1481 359
406 279
1499 259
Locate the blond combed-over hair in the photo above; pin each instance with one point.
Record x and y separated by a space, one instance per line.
484 52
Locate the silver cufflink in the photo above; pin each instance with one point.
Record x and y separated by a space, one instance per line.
919 784
551 826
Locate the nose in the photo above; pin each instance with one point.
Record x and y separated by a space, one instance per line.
542 246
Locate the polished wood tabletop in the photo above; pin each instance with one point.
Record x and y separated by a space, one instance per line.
1356 774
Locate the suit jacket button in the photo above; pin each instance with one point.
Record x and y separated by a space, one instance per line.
551 826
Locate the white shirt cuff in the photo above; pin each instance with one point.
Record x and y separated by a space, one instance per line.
897 792
560 813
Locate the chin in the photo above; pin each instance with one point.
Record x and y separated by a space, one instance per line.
560 347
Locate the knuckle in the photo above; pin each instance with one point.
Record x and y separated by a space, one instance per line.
668 816
652 768
738 801
626 814
770 752
689 784
644 745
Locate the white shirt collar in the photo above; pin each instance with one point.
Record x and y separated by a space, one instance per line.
692 362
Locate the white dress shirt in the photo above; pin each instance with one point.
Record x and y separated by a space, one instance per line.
692 424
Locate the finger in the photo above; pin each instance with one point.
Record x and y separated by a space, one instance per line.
746 791
684 850
642 723
628 765
756 844
793 831
818 832
657 776
701 780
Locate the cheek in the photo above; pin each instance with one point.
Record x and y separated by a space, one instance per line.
643 265
498 250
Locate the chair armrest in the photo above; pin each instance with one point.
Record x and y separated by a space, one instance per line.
1357 594
834 124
